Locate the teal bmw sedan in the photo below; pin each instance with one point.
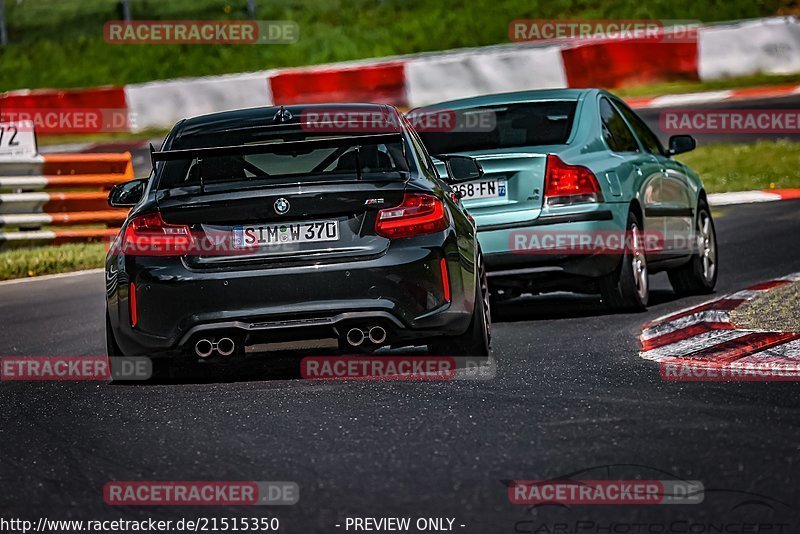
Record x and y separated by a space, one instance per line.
576 194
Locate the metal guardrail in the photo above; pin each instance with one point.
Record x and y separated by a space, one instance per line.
60 190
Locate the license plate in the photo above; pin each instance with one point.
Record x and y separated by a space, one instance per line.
482 189
285 233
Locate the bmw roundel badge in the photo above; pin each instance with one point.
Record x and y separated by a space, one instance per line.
281 206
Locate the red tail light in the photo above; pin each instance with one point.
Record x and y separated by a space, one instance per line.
150 235
132 302
445 279
419 214
568 184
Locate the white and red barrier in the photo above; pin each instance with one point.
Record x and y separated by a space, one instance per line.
160 104
383 83
30 200
483 71
616 63
734 49
768 46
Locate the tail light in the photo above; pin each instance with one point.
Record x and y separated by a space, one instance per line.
418 214
150 235
132 302
569 184
445 279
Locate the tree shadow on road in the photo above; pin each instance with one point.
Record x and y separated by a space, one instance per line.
248 370
563 306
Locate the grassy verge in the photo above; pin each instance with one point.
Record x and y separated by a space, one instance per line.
108 137
762 165
778 310
22 263
60 44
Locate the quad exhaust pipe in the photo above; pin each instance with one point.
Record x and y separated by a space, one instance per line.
204 347
377 335
356 336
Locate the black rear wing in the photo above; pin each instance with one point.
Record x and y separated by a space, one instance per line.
356 141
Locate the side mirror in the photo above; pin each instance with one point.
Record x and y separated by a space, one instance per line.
678 144
461 168
127 194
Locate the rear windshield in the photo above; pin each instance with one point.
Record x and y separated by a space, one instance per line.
280 164
513 125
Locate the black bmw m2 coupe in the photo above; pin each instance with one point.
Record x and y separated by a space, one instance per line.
287 225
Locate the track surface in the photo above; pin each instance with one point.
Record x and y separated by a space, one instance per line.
792 103
571 394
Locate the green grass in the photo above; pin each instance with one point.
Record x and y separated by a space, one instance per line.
762 165
60 44
21 263
105 137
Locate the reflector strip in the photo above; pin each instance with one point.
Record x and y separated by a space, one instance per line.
445 279
132 302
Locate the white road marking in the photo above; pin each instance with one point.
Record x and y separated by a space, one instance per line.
741 197
50 276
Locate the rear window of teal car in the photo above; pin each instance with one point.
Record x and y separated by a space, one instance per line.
501 126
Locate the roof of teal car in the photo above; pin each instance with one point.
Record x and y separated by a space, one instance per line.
518 96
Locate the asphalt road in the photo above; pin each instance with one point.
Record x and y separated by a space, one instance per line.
571 394
792 102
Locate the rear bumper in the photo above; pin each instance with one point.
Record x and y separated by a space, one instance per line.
401 290
503 261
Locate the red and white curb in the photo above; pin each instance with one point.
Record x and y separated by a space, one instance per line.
704 336
713 97
748 197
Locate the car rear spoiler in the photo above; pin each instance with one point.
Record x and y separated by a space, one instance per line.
356 141
259 148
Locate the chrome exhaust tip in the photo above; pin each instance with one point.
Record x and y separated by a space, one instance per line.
203 348
355 337
226 346
377 335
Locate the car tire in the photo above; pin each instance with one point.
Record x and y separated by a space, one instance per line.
112 349
627 288
699 275
476 341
